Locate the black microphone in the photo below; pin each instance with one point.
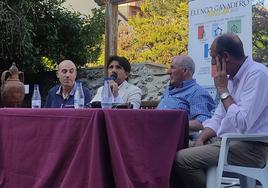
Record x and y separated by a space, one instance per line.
114 76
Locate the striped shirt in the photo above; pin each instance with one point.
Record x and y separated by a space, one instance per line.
191 97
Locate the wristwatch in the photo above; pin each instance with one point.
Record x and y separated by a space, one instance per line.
224 95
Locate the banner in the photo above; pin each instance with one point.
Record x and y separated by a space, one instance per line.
209 19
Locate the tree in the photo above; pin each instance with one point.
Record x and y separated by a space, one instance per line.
37 34
260 33
161 7
159 34
162 32
15 38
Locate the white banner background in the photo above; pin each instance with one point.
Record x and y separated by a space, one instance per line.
210 18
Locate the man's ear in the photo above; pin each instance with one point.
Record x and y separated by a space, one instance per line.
226 56
127 73
57 73
184 70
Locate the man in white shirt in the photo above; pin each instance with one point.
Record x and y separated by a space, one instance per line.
123 92
243 109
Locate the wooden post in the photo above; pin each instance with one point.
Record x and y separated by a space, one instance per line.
111 29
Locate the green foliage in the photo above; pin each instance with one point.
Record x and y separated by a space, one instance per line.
159 34
93 33
260 33
38 34
15 38
160 7
162 32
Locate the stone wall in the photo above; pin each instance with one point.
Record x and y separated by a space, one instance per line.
149 77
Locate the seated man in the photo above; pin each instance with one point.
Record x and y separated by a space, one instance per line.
62 96
123 92
185 94
243 109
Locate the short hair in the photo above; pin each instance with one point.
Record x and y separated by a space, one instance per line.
187 62
122 61
230 43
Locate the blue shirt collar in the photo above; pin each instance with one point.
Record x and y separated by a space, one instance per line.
185 84
59 91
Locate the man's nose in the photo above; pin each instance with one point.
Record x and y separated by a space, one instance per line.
114 71
169 71
67 74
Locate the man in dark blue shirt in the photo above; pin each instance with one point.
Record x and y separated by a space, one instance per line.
62 96
184 93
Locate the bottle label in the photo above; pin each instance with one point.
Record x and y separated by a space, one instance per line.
106 96
79 98
79 103
36 103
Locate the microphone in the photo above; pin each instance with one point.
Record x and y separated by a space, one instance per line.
113 76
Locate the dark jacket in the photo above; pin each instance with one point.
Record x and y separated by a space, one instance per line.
55 99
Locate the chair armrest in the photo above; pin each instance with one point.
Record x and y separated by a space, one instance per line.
246 137
226 138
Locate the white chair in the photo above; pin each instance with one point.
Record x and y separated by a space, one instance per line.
214 174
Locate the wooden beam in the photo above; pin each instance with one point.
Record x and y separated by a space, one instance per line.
111 29
117 2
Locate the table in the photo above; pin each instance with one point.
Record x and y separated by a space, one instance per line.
89 148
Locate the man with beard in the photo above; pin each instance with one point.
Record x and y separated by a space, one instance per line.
123 92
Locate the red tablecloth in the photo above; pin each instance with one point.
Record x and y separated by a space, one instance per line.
89 148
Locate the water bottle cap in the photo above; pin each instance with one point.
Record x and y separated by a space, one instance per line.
36 85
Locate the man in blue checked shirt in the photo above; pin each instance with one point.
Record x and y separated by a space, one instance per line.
184 93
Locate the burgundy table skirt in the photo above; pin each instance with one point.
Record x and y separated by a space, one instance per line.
89 148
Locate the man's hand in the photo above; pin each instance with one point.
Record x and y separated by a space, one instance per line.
195 125
205 135
199 142
114 87
221 79
221 82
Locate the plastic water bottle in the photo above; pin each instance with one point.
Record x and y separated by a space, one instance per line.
106 94
79 97
36 97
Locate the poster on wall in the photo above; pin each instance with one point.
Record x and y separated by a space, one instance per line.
209 19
